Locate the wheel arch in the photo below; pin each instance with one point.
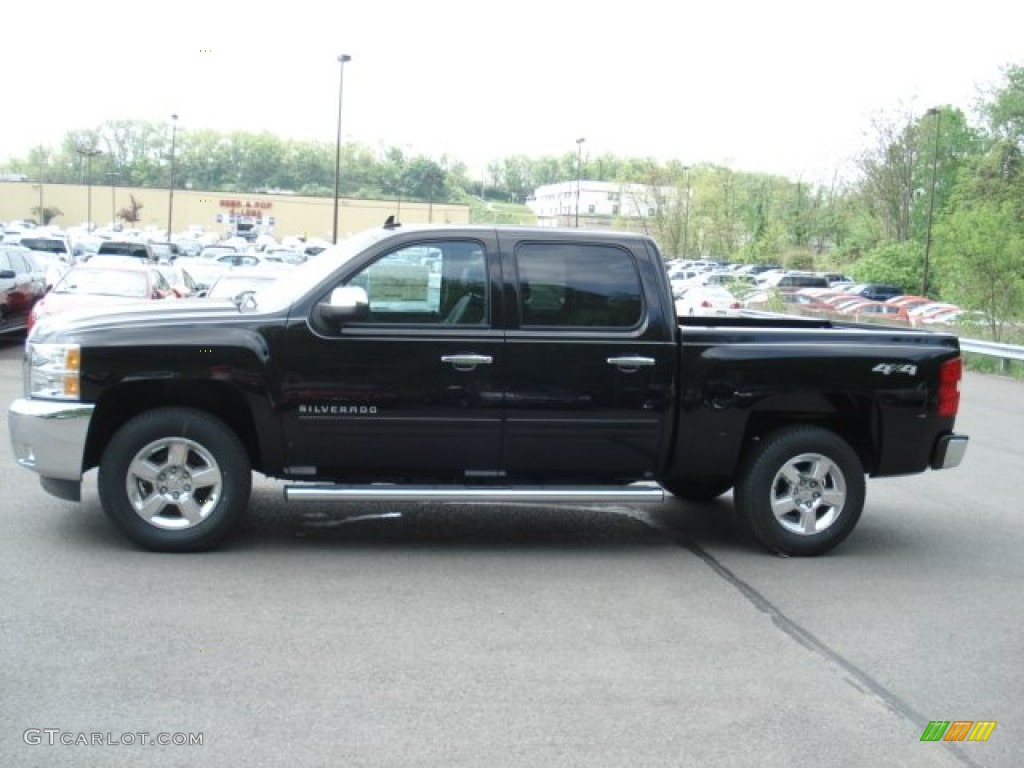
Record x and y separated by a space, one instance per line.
854 419
120 404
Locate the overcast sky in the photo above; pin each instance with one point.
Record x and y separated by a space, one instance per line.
779 86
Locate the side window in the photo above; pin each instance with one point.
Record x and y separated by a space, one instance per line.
160 282
432 283
18 263
578 285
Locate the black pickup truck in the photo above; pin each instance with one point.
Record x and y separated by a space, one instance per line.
486 364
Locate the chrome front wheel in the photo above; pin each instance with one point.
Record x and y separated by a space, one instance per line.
175 479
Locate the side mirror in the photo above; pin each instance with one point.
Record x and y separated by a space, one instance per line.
349 302
7 274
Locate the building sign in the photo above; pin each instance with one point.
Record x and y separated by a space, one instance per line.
246 207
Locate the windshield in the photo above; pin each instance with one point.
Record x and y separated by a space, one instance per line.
45 245
305 277
104 282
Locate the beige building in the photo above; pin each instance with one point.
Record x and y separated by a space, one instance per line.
282 215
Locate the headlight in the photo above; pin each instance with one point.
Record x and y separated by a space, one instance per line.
54 371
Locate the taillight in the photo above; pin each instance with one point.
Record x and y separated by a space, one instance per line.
949 386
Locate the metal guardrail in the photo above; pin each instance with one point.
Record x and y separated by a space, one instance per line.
1005 352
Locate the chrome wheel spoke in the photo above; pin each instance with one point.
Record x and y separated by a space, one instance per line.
791 475
207 476
151 508
809 518
191 510
177 454
782 506
142 469
834 498
820 470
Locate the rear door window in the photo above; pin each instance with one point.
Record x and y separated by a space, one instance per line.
578 285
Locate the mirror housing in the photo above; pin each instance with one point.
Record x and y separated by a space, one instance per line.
349 302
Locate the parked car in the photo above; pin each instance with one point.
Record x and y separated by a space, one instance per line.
876 291
792 280
879 310
165 252
923 313
709 300
22 284
100 287
213 251
237 281
141 251
180 279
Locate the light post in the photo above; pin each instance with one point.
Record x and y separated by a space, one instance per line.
337 150
88 153
579 176
42 163
113 175
170 188
686 215
931 201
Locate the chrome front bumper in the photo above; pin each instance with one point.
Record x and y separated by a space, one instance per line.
49 437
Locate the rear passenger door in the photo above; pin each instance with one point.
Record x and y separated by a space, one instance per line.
588 375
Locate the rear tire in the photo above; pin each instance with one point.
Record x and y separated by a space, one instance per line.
801 490
175 480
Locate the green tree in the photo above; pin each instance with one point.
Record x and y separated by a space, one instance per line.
897 264
982 255
46 215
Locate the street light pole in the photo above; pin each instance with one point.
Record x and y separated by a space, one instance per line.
170 188
113 199
686 215
579 176
931 200
337 149
88 153
42 161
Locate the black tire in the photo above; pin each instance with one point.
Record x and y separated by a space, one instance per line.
175 480
800 491
694 490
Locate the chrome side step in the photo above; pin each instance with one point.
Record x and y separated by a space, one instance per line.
536 494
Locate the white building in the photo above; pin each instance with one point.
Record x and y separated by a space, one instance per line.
594 203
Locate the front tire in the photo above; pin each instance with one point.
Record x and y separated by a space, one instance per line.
801 491
175 480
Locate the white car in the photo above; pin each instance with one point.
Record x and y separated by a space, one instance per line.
707 300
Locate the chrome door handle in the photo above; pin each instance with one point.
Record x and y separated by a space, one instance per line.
631 362
466 362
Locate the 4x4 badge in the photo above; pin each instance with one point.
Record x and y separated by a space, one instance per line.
889 368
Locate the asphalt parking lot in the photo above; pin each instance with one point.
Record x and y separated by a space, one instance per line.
458 635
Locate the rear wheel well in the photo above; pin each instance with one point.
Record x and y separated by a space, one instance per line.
119 405
855 426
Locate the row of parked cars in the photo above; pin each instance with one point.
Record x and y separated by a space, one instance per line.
709 289
38 278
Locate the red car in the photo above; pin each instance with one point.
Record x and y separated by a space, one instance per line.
100 287
21 286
